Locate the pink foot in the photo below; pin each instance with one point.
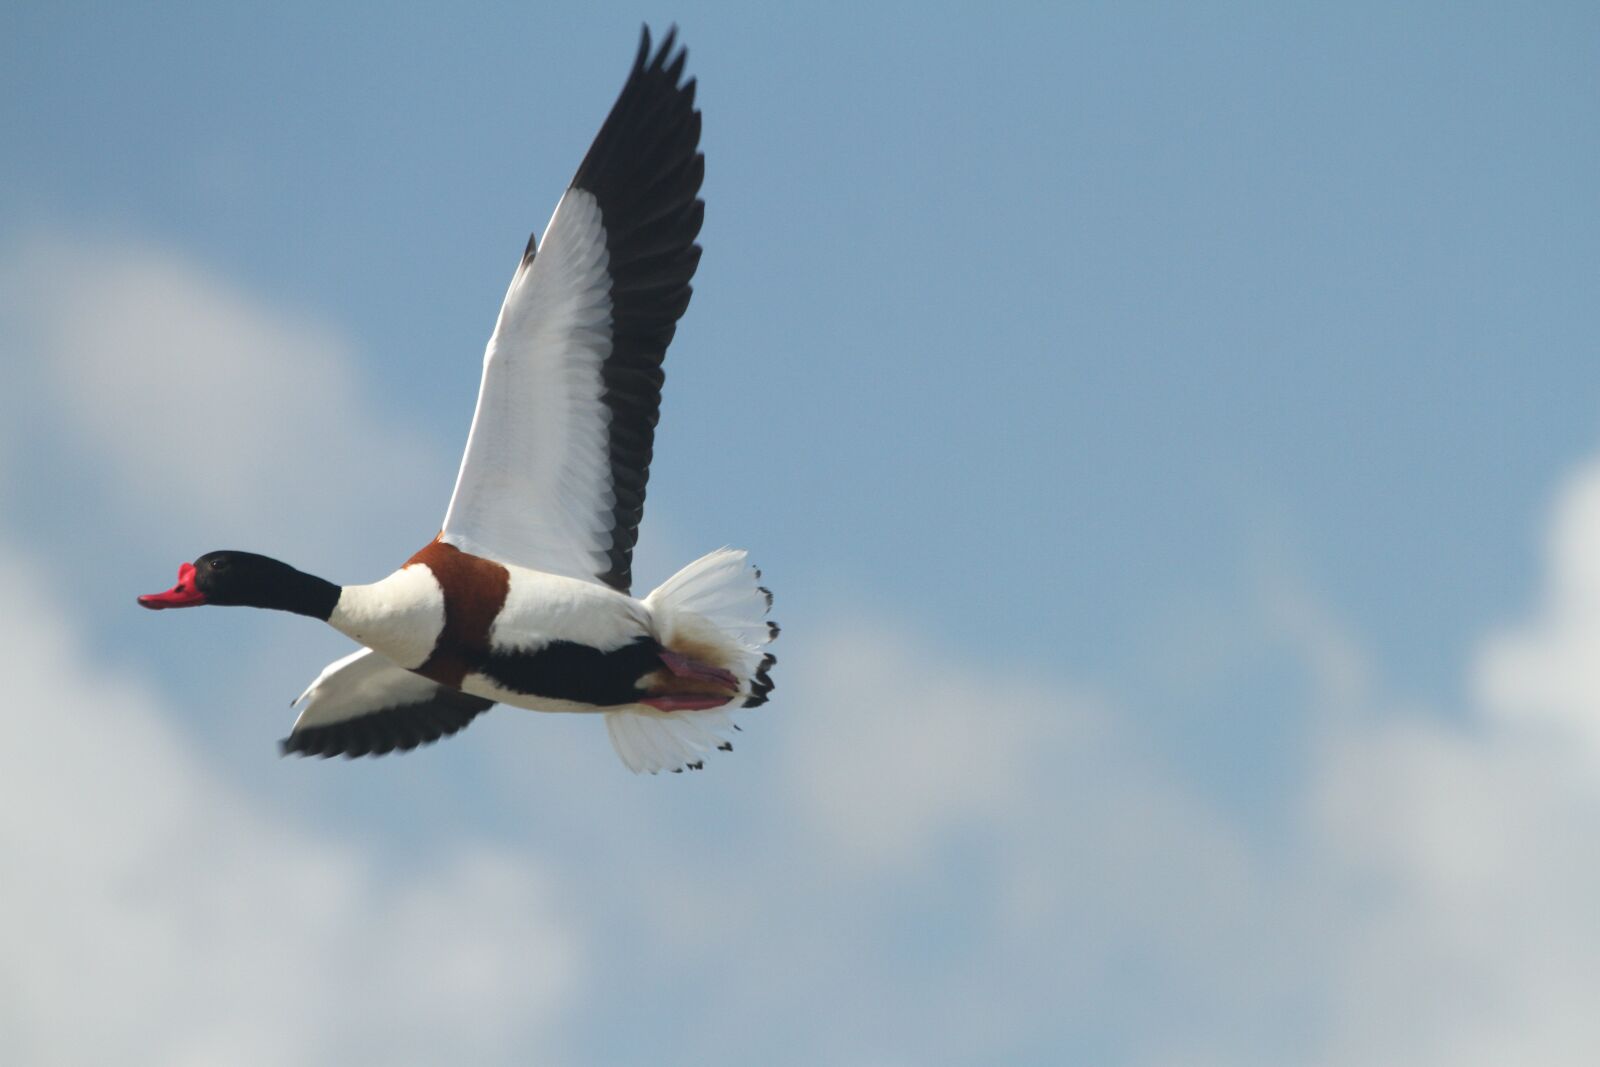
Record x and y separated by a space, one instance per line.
684 667
684 703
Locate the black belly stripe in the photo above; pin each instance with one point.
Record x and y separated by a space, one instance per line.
566 670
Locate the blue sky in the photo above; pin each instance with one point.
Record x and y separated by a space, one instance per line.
1169 432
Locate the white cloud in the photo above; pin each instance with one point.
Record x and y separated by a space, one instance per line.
914 857
1428 898
155 915
1542 673
1445 865
153 911
203 410
898 748
1456 871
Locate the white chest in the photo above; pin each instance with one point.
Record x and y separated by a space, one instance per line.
400 616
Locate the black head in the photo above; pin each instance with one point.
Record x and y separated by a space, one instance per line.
245 579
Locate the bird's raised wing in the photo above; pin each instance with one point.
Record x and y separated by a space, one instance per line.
556 463
367 705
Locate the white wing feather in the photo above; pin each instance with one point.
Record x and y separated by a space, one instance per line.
358 684
534 487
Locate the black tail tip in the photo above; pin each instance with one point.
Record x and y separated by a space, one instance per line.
762 683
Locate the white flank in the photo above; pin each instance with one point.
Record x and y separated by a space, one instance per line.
541 608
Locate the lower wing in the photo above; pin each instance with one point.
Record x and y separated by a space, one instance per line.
367 705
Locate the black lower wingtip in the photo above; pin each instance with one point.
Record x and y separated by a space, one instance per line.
644 46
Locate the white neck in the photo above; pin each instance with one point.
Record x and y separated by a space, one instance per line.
400 616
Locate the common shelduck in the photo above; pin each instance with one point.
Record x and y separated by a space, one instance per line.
523 597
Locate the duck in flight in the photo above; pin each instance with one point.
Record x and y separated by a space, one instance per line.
524 596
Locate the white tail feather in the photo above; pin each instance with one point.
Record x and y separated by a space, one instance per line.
716 601
652 741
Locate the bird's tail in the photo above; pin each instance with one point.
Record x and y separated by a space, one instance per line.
714 612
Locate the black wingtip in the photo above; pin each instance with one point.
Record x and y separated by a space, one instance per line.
674 69
532 248
644 47
662 57
645 169
665 51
